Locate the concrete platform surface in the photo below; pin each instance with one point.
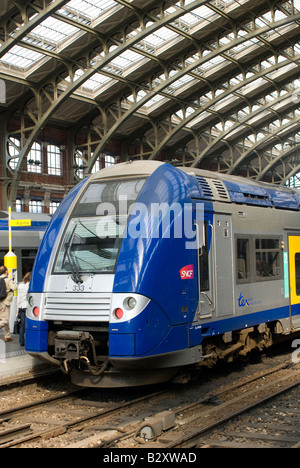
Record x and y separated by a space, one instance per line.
15 364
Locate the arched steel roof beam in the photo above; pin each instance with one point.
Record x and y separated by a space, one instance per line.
88 73
295 171
104 40
28 23
245 156
194 115
223 135
90 30
285 154
214 101
220 114
214 53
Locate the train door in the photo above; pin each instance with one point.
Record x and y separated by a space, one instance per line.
294 278
223 265
204 234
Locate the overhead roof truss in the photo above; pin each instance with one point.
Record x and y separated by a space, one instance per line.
214 84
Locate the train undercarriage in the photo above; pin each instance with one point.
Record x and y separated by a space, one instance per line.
83 353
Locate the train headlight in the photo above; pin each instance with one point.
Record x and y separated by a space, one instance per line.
130 303
31 301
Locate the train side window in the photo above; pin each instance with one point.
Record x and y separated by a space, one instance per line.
297 269
268 259
243 260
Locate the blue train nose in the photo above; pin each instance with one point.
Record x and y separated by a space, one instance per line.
140 335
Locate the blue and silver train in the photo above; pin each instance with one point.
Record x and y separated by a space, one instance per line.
149 271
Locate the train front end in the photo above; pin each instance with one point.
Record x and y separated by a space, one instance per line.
107 301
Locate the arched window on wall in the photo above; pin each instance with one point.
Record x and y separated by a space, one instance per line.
34 159
14 146
35 206
294 181
109 161
81 158
53 206
54 160
19 205
79 164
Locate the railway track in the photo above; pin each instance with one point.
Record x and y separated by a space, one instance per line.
272 422
260 413
260 410
55 416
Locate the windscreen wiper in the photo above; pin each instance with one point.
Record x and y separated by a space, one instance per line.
75 273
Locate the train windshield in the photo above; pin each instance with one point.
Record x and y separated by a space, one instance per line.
91 245
113 197
93 237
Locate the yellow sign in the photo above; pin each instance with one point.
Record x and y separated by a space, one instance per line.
20 222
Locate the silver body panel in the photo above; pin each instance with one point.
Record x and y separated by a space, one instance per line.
78 302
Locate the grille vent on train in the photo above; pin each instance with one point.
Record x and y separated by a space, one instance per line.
205 187
213 189
72 307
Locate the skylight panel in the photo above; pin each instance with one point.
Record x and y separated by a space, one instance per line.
203 116
203 12
40 42
155 100
161 37
297 48
260 82
96 82
190 19
198 15
213 62
187 2
90 9
149 104
244 46
182 81
126 59
279 15
54 30
21 57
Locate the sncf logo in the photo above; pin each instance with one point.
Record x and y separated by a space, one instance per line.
187 272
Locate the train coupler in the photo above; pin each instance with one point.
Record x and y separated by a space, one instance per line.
71 346
77 346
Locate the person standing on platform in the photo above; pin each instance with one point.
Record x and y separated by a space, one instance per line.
5 304
22 305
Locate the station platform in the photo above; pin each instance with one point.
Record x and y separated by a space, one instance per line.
16 365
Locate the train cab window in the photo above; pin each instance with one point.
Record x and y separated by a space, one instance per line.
108 197
297 269
90 245
268 259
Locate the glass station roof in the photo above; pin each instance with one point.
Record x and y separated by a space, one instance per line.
86 11
55 34
199 58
